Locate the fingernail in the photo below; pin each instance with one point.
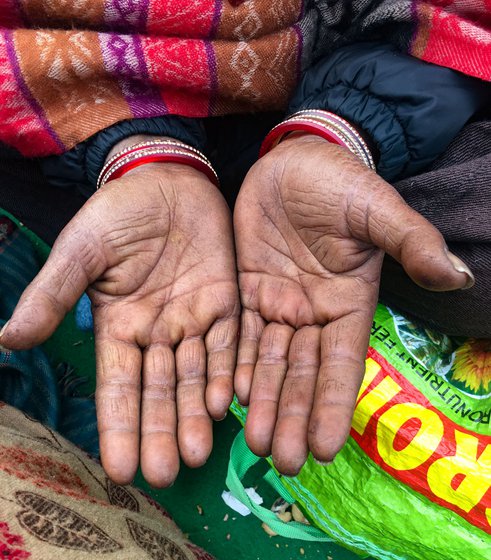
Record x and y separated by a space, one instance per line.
3 349
460 266
323 463
4 328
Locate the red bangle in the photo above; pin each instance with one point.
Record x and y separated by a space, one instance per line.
164 145
155 151
324 124
174 157
276 134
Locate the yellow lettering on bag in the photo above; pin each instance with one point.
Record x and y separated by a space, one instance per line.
380 395
371 371
421 446
476 473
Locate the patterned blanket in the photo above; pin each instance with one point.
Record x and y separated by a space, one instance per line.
57 504
70 69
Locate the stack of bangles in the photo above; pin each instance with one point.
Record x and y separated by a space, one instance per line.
155 151
321 123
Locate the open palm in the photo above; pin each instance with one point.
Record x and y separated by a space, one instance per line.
155 249
312 225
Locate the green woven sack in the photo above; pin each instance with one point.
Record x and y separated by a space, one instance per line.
414 479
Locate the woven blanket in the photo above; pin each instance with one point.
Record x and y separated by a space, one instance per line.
56 503
70 69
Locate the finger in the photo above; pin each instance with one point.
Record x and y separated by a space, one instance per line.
267 382
344 344
409 238
71 266
251 328
290 446
221 347
159 451
194 423
118 407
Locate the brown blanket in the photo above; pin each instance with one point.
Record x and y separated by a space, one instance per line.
57 503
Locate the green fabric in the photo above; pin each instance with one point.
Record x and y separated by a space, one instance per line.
42 387
68 344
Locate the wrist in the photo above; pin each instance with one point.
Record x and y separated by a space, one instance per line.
133 141
322 124
141 151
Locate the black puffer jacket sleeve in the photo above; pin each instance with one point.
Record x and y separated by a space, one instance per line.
80 167
410 109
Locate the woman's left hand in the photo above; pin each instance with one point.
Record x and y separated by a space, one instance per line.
311 227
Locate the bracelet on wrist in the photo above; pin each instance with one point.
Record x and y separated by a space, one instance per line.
155 151
325 124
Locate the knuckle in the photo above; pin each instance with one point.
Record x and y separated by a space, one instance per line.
159 392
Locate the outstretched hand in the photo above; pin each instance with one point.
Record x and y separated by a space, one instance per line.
155 249
312 224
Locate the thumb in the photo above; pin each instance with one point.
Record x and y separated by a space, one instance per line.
72 265
415 243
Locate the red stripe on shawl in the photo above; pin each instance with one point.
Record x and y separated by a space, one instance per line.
179 67
181 18
21 126
184 103
446 38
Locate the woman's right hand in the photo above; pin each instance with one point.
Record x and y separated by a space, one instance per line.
155 250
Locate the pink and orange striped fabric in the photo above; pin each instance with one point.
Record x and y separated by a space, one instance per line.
69 68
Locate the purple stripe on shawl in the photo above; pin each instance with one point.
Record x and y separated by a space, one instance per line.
125 60
302 9
127 14
216 18
35 106
213 73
